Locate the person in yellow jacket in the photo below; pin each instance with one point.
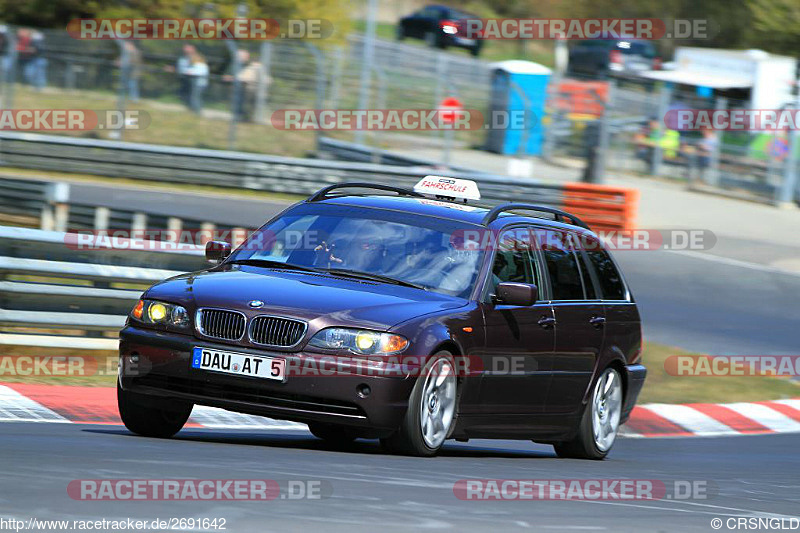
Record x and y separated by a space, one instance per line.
654 134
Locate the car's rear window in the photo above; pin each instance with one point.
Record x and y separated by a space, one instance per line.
610 280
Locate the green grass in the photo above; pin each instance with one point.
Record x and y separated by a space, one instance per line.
660 387
104 365
172 124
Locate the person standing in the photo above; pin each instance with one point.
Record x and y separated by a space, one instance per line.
198 75
131 70
181 68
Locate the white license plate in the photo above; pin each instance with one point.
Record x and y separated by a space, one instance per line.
239 364
465 41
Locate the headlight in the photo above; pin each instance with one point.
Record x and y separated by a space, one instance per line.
152 312
359 341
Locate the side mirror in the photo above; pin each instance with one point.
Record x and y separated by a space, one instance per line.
216 251
522 294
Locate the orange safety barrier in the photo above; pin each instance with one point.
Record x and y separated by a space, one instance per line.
581 97
602 207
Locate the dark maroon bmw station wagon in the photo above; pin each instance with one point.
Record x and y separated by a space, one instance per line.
412 316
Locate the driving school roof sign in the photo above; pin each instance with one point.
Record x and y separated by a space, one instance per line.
450 187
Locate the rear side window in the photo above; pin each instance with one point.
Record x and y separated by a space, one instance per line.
607 274
562 267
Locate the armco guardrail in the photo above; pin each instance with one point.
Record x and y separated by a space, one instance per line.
51 283
240 170
52 204
231 169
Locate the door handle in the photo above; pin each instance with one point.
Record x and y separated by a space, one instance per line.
597 321
547 321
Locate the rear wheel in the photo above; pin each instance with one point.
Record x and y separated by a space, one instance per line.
400 33
431 410
150 416
600 422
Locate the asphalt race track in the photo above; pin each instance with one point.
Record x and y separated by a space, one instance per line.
755 476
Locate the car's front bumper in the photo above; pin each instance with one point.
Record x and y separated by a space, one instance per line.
634 380
163 368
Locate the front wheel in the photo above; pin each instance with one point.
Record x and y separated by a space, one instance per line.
600 422
431 410
153 417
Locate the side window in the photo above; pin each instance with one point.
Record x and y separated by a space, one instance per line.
512 262
586 278
563 269
607 274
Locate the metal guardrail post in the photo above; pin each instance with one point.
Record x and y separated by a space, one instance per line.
102 215
55 214
139 223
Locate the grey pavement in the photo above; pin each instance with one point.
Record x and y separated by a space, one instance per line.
747 477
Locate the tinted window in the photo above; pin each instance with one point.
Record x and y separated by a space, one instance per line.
562 267
586 277
607 274
512 261
419 250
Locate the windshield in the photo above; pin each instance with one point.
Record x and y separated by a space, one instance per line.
411 249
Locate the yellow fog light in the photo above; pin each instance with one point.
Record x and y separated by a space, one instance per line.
157 312
365 341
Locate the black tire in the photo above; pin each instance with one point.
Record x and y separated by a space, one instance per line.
332 434
148 418
400 33
408 439
583 445
475 51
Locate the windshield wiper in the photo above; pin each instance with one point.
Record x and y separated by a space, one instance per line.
272 264
373 277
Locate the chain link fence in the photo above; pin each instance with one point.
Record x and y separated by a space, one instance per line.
222 94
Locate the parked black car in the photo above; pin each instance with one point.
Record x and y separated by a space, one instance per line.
603 58
439 26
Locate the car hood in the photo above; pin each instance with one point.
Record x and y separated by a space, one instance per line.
322 300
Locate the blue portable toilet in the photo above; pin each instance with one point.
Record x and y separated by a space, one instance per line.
517 87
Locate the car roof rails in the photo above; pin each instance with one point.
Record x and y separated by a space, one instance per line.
558 214
323 194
